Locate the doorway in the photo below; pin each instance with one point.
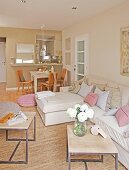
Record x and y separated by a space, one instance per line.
81 57
2 60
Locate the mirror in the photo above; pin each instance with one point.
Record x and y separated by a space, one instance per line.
25 53
45 48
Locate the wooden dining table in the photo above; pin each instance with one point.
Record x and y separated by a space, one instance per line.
35 75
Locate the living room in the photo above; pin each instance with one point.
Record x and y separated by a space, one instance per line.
103 31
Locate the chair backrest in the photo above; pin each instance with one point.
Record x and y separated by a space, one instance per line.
51 79
64 71
20 76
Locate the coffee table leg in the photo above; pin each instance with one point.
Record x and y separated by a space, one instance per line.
69 161
116 161
6 135
35 128
86 168
27 146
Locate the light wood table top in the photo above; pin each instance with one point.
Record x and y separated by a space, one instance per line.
89 143
20 126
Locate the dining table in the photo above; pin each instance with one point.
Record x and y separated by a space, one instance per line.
35 75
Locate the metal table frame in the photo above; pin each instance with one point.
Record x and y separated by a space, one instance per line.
69 160
10 161
90 160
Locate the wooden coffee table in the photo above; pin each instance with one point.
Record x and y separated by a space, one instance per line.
21 126
89 145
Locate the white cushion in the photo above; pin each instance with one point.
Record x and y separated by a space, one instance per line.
111 112
85 89
102 100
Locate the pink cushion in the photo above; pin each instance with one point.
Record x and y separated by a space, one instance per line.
27 100
122 115
91 99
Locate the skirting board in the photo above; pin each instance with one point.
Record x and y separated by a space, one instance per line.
14 88
11 89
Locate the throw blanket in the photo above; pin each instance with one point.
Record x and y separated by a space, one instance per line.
40 95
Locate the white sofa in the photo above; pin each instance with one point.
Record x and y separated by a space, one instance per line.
53 111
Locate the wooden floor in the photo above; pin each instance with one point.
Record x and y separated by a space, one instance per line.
49 150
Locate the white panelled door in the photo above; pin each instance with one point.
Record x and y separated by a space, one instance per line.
2 63
82 56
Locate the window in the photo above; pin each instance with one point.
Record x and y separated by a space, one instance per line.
25 53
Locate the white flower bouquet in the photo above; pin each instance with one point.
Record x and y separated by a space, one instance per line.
80 113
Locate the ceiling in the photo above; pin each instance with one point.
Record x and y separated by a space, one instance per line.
54 14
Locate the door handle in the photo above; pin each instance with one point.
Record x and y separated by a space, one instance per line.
74 67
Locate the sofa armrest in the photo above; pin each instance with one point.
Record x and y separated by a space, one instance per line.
65 89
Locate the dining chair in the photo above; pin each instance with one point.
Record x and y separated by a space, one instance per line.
48 84
27 86
60 81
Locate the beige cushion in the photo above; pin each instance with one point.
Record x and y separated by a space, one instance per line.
75 87
112 84
114 99
124 94
84 79
97 82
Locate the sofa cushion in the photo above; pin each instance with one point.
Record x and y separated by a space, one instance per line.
110 126
122 116
91 99
111 112
97 82
97 112
84 79
114 100
62 101
124 90
75 87
102 99
85 89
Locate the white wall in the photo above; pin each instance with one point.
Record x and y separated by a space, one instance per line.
104 37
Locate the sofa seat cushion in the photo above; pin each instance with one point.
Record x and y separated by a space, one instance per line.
97 113
61 101
110 126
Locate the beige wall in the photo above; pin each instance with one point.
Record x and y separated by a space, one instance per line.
104 42
14 36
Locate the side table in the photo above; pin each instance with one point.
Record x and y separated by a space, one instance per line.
21 126
89 145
